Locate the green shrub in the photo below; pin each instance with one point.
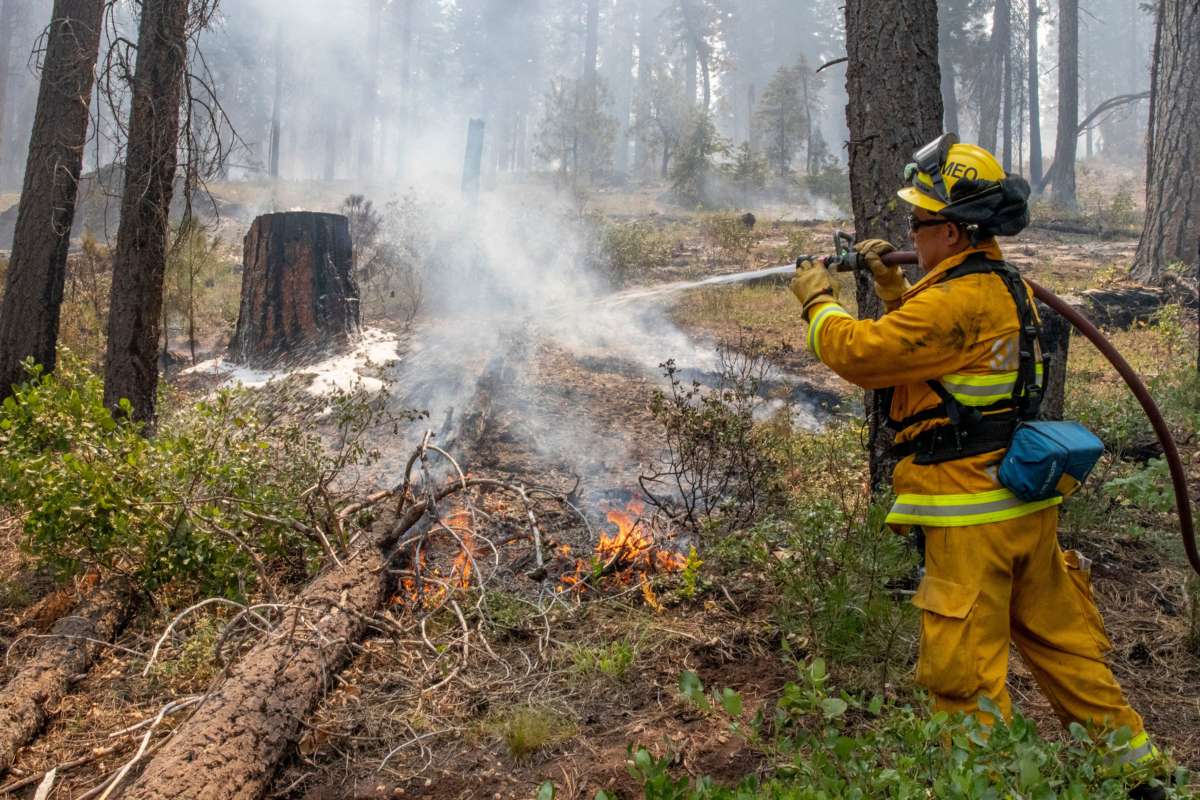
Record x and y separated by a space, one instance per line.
823 744
1149 488
729 237
630 248
612 660
209 502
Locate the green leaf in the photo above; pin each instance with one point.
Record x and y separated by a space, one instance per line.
731 701
833 707
1079 733
816 670
546 791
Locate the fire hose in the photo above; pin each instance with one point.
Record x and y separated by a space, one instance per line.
847 260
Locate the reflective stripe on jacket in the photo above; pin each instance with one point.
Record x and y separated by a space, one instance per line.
963 333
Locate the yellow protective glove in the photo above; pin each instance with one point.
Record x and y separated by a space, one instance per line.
813 285
890 283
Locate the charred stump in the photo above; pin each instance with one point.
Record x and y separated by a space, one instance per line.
299 297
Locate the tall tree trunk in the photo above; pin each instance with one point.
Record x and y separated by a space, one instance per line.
366 142
991 89
622 77
1172 229
135 305
689 67
1035 109
949 95
1006 114
8 21
591 50
895 107
37 270
277 101
406 87
647 38
1063 170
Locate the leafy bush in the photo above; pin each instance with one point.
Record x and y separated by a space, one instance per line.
628 248
720 467
1148 488
729 237
747 171
825 745
208 504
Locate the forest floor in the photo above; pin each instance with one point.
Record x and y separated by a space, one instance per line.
556 682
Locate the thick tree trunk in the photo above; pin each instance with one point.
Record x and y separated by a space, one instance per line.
298 290
1035 103
139 262
29 699
1062 173
895 107
37 270
233 743
1172 228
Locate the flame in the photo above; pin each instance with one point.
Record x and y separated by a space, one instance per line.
435 584
628 553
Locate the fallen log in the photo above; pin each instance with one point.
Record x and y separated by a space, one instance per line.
28 700
1084 229
233 743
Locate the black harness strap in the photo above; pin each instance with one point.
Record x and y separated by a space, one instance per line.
975 430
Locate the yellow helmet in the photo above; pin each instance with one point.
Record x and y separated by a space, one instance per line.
939 165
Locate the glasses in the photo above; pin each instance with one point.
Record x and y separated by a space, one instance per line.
916 223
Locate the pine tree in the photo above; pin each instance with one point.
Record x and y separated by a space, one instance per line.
37 270
783 119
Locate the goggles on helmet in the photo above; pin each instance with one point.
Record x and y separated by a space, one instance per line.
929 161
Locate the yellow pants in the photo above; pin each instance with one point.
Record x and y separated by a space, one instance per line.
985 585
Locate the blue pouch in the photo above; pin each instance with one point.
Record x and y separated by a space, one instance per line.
1047 459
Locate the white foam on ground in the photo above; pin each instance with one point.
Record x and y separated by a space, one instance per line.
356 368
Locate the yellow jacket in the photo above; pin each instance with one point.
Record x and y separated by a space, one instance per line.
962 332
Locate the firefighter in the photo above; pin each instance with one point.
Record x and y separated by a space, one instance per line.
957 353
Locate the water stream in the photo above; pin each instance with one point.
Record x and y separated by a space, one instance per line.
646 292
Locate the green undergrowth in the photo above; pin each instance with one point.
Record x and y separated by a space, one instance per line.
219 500
823 743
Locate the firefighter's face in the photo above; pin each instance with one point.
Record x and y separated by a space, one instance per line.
935 238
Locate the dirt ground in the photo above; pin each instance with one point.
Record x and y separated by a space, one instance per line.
555 683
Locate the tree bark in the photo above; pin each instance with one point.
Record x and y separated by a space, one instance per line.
1062 174
1006 94
232 744
1035 103
28 700
37 269
895 107
1172 229
298 290
139 262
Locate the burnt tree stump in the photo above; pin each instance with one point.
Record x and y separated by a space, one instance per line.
299 297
